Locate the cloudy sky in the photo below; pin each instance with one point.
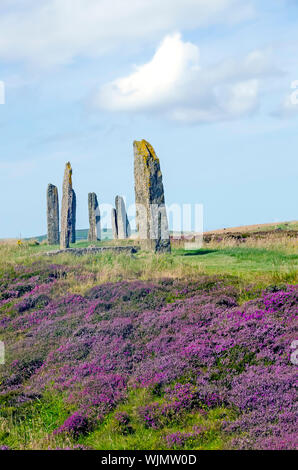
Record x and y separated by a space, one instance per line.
206 82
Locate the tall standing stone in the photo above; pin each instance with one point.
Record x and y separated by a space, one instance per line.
151 215
53 215
67 208
94 218
73 216
128 228
114 224
123 226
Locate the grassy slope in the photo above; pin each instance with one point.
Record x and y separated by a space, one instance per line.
32 429
262 261
292 225
257 266
82 234
106 436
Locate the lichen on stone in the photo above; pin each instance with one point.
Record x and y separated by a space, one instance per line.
68 165
147 152
145 149
150 194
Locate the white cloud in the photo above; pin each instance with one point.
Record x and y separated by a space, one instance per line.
289 106
175 84
153 84
50 32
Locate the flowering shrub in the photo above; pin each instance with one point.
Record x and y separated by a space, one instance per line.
178 439
189 342
75 425
179 400
123 423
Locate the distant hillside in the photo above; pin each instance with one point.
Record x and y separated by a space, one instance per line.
82 234
292 225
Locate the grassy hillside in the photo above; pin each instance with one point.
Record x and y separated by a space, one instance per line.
269 227
81 234
186 350
263 261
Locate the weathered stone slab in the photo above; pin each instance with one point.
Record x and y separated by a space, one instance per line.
73 216
53 215
151 215
94 250
114 224
94 218
123 226
67 208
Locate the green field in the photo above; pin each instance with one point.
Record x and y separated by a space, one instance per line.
246 267
265 261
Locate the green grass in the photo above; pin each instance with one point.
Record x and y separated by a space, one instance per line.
293 225
32 426
249 268
262 265
244 261
288 226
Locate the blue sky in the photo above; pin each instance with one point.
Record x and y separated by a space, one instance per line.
206 82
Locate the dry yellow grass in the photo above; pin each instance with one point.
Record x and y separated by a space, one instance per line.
262 260
257 227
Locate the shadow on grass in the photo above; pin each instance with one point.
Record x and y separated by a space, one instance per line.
198 252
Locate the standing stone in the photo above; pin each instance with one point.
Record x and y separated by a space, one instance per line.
94 218
128 228
114 224
53 215
123 226
151 215
73 216
67 208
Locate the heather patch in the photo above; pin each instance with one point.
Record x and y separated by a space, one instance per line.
122 422
178 440
76 425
